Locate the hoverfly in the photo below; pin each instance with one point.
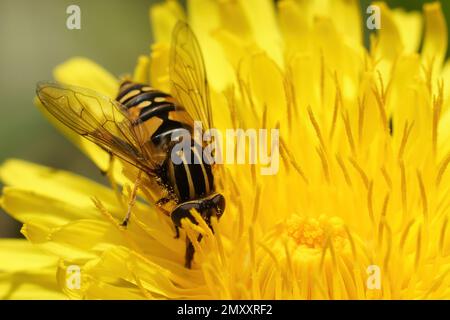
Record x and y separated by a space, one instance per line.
138 128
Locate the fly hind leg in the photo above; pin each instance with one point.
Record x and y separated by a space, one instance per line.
132 200
161 202
190 251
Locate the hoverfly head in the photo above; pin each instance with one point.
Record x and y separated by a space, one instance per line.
212 206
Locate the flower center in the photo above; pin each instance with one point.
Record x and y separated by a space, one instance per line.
315 232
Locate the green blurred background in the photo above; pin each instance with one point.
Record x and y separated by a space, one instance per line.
34 39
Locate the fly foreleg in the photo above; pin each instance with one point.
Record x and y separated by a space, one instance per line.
132 200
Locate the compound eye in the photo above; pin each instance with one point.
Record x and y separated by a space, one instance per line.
219 203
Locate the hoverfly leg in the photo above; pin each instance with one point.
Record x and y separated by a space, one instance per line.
190 251
162 202
132 200
177 232
209 224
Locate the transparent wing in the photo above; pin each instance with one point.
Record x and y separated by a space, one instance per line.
189 84
100 120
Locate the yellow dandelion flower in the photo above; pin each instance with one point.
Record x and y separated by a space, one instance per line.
357 210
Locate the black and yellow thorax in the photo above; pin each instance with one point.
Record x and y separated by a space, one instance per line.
161 117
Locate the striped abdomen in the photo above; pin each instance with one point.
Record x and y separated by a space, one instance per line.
161 117
155 110
192 178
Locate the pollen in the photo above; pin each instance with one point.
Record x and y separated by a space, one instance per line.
314 233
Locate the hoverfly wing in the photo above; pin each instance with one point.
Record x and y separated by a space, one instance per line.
99 119
189 84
